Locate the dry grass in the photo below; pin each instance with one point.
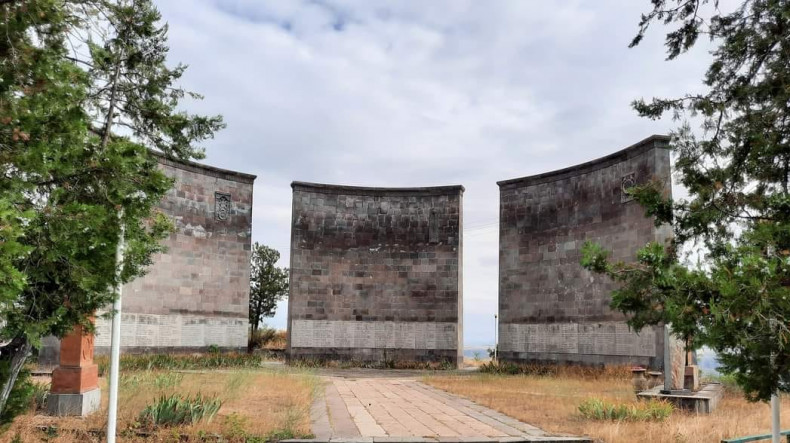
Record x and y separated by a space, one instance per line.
551 402
279 341
475 363
254 403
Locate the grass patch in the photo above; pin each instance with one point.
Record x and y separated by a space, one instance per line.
161 405
597 409
551 402
151 362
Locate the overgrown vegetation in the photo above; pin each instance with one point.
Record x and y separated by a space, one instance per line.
653 410
175 410
150 362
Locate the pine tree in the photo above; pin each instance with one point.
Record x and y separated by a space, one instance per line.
78 117
736 298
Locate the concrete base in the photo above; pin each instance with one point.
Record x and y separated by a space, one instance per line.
74 404
703 401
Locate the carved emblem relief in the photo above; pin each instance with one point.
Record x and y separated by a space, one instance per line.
221 206
628 181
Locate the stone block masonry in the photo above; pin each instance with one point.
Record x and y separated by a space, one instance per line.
550 308
376 273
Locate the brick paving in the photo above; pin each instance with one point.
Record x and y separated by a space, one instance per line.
404 410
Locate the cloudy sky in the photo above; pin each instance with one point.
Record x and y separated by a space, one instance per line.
420 93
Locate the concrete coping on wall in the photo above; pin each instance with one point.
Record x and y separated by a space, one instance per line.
654 141
211 171
376 191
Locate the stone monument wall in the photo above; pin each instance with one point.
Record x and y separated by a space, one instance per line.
196 294
375 273
550 308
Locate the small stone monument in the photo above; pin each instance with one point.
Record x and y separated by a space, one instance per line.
681 380
674 362
75 382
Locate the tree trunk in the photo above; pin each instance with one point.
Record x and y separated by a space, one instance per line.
253 330
15 353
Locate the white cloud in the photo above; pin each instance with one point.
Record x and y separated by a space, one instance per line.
416 94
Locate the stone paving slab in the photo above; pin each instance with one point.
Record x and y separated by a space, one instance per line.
401 409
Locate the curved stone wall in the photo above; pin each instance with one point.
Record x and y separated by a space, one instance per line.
550 308
375 273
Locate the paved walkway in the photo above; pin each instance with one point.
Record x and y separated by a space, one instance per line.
404 410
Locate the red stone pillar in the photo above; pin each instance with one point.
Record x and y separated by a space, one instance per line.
75 382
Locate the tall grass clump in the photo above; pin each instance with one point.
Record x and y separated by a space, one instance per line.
40 395
653 410
174 410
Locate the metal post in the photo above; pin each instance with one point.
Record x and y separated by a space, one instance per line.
115 349
496 338
775 431
668 383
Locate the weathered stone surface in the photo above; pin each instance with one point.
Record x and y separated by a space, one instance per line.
375 273
550 308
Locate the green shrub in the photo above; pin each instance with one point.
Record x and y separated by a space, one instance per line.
174 410
653 410
727 380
